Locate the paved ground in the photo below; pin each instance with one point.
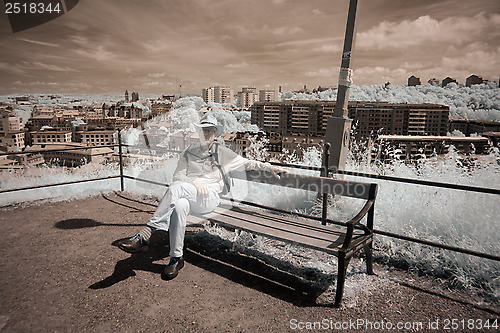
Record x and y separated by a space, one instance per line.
60 272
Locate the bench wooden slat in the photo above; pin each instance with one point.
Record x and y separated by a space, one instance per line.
324 238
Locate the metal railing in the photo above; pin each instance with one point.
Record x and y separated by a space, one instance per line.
324 171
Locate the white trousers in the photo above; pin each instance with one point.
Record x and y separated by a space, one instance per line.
171 214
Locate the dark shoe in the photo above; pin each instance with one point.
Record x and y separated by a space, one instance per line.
133 245
173 268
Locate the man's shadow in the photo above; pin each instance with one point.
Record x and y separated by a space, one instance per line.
211 253
215 255
144 261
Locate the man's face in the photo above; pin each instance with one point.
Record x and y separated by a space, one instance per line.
209 133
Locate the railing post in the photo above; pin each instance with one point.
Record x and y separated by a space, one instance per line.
122 187
324 173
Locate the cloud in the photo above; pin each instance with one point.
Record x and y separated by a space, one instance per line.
60 86
37 42
96 53
286 31
324 72
476 59
11 68
454 30
328 48
42 66
265 29
303 42
156 75
37 83
379 74
318 12
150 84
240 65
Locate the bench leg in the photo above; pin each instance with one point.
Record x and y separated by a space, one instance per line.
369 258
343 263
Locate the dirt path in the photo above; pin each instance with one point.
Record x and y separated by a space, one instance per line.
60 272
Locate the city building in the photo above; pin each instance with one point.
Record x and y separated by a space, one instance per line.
413 81
10 124
50 136
369 118
267 95
97 137
246 97
473 126
170 97
208 95
473 79
494 138
12 135
447 81
218 94
433 82
223 94
409 147
162 107
63 154
12 141
20 161
23 100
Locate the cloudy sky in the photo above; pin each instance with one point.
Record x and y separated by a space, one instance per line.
156 46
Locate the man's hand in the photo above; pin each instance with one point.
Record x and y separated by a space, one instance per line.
202 189
275 171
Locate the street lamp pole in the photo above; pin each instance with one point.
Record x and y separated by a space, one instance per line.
338 127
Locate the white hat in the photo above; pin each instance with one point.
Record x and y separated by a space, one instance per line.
208 120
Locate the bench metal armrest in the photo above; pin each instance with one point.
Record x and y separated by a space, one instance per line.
356 221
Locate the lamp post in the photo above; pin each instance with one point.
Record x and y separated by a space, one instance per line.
338 127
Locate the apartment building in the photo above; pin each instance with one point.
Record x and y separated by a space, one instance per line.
223 95
63 154
50 136
12 136
11 124
398 119
370 118
473 126
247 97
218 94
97 137
208 95
158 108
267 95
12 141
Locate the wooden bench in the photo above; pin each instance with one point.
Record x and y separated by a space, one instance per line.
341 241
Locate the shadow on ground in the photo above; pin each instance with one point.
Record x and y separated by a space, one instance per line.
217 257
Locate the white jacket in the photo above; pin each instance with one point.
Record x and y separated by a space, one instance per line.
197 163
